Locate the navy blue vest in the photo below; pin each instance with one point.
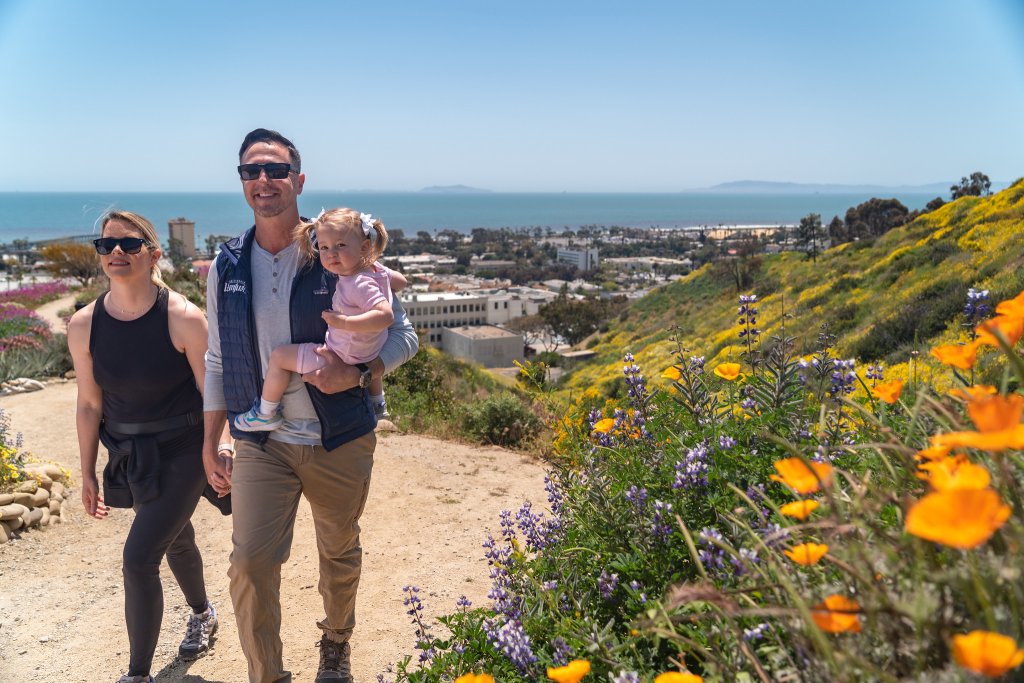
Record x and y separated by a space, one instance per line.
344 416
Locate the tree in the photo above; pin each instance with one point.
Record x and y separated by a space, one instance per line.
809 235
837 233
936 203
72 259
874 218
532 328
574 320
176 252
213 243
977 185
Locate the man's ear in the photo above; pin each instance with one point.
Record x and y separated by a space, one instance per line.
300 180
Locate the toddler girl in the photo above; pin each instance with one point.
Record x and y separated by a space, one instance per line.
348 244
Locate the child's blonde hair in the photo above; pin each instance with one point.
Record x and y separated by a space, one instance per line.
342 219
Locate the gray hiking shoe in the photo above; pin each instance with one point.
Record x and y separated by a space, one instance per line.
197 633
335 666
135 679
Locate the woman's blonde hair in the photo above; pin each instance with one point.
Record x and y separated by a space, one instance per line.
146 230
342 219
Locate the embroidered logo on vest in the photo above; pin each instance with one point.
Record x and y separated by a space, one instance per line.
321 291
234 287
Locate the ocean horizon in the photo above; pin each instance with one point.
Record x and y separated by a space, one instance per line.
49 215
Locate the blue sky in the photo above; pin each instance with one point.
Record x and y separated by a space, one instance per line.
512 96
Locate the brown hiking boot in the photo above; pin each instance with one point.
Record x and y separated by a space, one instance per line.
335 666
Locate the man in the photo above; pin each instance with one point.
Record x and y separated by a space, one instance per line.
259 296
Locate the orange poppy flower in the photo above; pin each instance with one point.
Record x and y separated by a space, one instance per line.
678 677
987 653
933 453
889 392
800 509
995 442
961 356
797 475
604 426
475 678
672 373
1010 327
837 614
956 473
1012 307
807 554
971 393
728 371
957 518
571 672
996 413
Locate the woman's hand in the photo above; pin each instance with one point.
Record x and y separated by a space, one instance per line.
91 498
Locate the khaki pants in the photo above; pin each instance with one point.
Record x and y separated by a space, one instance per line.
266 484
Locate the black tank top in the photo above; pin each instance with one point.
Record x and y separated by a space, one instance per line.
143 376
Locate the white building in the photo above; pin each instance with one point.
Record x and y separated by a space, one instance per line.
487 345
584 258
431 312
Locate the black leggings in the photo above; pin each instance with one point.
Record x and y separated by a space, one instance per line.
162 527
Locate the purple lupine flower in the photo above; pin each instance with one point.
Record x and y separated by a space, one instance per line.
726 442
561 652
508 528
843 378
626 677
607 583
696 364
661 528
533 527
638 497
549 585
756 633
555 497
773 534
424 643
507 636
693 470
977 307
875 372
748 318
746 559
635 386
463 603
711 555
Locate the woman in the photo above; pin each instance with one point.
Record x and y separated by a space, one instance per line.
138 354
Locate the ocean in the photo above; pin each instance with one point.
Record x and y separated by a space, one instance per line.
47 215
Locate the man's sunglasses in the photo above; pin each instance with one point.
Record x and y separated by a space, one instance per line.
276 171
129 245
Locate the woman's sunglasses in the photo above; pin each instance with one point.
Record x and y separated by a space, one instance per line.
275 171
129 245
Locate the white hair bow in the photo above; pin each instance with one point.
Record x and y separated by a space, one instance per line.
367 220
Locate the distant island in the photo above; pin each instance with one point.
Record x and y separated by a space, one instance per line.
769 187
454 189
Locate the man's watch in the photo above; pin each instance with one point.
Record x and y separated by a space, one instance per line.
365 376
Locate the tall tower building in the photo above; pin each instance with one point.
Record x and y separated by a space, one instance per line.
184 231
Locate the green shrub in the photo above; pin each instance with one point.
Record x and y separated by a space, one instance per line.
503 420
50 358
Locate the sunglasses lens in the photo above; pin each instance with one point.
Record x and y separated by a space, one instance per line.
249 171
129 245
278 171
274 171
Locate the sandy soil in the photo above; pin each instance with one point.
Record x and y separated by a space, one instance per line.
430 507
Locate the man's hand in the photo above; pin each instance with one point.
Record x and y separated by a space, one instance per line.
335 375
334 319
218 470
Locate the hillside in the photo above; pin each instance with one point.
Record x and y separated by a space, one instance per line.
878 296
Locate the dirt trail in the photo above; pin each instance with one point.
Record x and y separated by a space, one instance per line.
49 312
431 504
